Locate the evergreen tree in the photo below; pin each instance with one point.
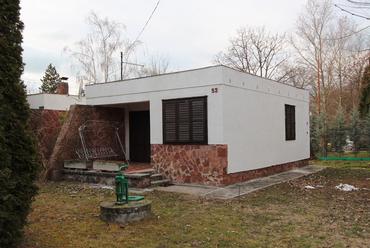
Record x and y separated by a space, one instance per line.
367 132
339 131
50 81
19 165
314 136
365 93
354 130
323 132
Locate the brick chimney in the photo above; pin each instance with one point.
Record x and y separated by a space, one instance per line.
63 86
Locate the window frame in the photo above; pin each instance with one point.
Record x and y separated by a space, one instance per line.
185 121
290 122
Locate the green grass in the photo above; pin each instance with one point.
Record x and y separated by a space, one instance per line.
347 155
284 215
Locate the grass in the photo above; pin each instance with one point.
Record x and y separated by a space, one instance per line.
347 155
285 215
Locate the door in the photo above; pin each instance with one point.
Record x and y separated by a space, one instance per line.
140 136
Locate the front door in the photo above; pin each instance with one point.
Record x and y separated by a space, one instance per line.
140 136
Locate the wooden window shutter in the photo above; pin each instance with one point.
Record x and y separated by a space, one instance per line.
169 121
183 111
185 120
199 120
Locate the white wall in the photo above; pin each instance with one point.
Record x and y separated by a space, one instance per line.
54 101
247 112
254 121
154 89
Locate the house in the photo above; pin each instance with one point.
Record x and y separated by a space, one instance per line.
210 126
61 101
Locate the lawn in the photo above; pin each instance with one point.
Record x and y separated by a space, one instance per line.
361 154
285 215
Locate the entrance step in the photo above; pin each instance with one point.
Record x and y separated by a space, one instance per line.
136 179
158 179
164 182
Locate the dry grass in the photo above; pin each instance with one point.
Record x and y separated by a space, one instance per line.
285 215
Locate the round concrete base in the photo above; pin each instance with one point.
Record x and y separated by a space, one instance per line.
133 211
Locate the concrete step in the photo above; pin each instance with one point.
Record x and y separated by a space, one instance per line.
164 182
146 171
156 177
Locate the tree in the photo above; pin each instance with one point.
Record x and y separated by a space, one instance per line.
323 132
356 8
314 135
19 167
354 130
96 56
365 92
339 131
367 132
255 51
156 65
325 45
50 80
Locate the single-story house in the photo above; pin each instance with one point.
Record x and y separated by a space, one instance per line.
60 101
210 126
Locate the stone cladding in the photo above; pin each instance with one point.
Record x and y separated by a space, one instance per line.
206 165
69 140
45 124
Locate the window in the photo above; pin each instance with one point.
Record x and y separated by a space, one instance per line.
289 122
185 121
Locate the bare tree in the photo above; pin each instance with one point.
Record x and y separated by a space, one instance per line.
96 56
358 8
311 43
325 44
255 51
155 65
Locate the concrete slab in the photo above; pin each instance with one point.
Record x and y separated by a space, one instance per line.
232 191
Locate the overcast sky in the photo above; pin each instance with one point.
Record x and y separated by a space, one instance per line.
190 32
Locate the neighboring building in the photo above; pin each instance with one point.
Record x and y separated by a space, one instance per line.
210 126
60 101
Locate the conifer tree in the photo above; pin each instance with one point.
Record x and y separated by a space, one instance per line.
339 130
19 165
314 136
50 81
323 132
367 132
365 93
354 130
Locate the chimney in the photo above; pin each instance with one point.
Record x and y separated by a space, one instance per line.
63 86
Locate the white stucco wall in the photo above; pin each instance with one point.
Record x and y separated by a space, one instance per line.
247 113
169 86
254 122
54 101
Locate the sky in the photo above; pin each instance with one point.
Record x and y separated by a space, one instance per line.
189 32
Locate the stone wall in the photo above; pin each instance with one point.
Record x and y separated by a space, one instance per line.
69 140
45 124
206 165
198 164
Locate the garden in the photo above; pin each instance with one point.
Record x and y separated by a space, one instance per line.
312 211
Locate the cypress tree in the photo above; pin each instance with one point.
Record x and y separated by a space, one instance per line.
19 167
50 80
364 104
354 130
